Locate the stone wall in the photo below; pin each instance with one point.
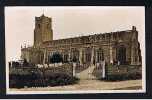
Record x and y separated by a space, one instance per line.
123 69
65 68
85 47
117 70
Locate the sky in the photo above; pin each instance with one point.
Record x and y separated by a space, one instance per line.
69 22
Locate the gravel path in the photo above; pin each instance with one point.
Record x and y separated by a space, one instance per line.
91 85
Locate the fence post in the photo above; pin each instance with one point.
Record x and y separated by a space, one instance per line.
103 69
74 66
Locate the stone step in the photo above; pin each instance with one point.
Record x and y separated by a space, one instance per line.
86 74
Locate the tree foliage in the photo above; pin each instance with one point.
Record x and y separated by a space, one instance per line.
56 58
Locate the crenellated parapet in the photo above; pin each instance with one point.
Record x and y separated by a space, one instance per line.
114 47
119 36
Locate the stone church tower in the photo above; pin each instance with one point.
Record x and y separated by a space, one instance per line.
114 47
43 30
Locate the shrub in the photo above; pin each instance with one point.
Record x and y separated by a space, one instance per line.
16 81
56 58
136 75
124 76
56 79
35 80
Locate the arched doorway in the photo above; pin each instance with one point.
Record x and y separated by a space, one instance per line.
121 55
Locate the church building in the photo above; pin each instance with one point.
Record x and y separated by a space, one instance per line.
120 47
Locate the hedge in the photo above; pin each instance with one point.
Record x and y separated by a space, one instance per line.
123 76
36 80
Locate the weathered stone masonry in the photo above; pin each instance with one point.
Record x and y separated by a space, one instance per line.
114 47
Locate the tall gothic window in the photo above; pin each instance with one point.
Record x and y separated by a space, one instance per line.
121 55
39 25
47 26
66 58
88 54
75 55
100 55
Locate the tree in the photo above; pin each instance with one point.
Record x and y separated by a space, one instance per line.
56 58
15 64
9 63
74 59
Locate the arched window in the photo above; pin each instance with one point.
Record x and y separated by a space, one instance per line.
65 58
75 55
100 55
121 55
88 54
39 25
47 26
